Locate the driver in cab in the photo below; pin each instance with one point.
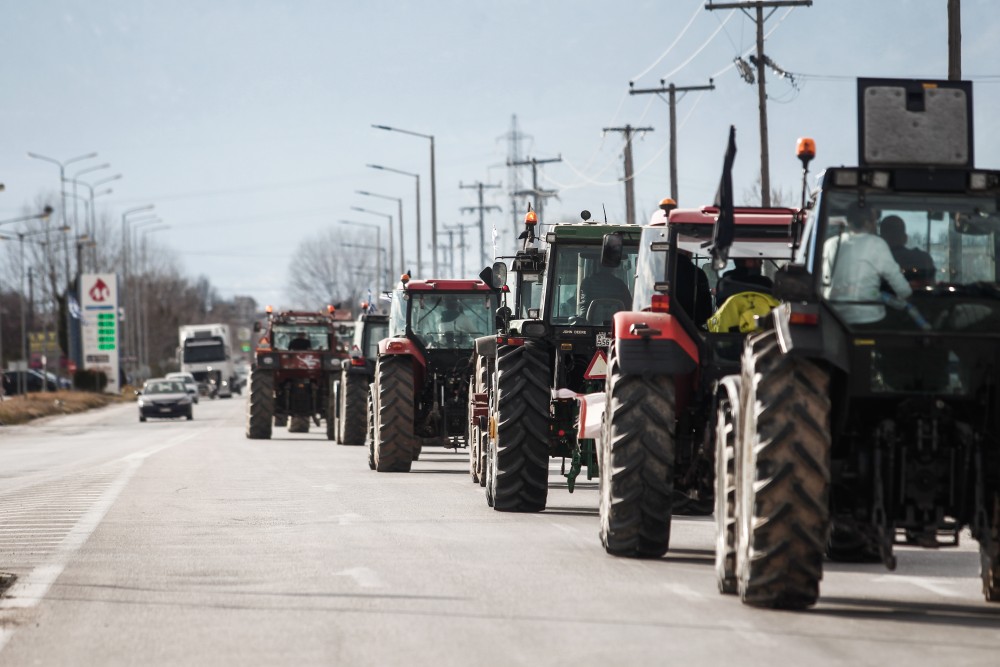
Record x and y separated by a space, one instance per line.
855 262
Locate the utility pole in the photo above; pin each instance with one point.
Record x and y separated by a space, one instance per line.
538 193
461 229
480 186
671 92
954 40
759 19
514 138
628 131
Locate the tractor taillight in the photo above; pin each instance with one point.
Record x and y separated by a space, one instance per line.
356 361
509 340
660 303
808 319
394 345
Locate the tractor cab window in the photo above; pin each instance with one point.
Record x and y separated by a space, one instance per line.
651 266
373 332
397 313
583 291
944 247
451 320
530 295
300 337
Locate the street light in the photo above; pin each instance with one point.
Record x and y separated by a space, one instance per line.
379 276
125 253
402 251
399 202
433 186
74 180
92 223
142 343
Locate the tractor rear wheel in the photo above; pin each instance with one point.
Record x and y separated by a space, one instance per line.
298 424
260 408
783 475
331 411
521 450
370 436
989 552
637 463
726 425
353 389
395 443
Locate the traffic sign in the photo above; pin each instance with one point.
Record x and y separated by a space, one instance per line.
598 367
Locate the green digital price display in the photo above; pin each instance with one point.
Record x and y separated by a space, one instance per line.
106 337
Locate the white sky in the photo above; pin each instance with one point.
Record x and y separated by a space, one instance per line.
247 122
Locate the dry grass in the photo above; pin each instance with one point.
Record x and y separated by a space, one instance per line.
21 409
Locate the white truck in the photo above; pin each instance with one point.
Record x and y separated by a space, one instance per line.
205 353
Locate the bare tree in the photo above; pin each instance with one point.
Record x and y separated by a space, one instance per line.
330 268
779 196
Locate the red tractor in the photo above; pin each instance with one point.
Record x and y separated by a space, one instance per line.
297 359
422 372
668 363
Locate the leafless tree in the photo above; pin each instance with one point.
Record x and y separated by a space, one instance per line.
330 268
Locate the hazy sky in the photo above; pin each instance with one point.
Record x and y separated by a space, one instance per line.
247 122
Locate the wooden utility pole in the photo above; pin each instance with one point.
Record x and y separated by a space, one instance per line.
482 208
538 193
671 92
461 229
628 131
759 19
954 40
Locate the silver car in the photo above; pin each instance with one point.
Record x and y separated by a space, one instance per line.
190 384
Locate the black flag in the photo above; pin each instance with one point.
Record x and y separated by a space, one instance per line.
722 235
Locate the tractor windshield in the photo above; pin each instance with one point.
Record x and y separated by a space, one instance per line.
912 261
451 320
300 337
584 292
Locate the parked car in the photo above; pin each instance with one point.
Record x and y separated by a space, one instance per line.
32 381
190 384
163 398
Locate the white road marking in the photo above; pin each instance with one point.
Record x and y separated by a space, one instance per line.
348 519
363 576
685 592
31 589
326 487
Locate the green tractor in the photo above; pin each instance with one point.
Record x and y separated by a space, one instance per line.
868 415
550 355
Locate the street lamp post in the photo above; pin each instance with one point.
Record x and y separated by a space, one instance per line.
402 250
399 201
92 223
379 274
75 180
433 187
141 309
125 259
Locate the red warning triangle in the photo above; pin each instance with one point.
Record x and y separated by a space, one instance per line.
598 367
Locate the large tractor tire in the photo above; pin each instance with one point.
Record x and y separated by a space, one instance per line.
281 421
783 475
260 408
298 424
394 442
475 437
472 434
637 463
726 424
353 392
521 450
989 552
370 435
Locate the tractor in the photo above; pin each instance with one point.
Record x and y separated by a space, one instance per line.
549 354
420 392
867 411
668 357
291 378
351 390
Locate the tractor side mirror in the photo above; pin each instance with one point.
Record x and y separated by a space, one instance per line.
499 274
256 327
503 318
793 283
611 250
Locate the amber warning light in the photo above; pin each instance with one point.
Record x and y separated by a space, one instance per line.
531 218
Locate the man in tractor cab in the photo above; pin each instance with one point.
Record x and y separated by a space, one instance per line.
916 264
455 318
746 277
605 292
300 342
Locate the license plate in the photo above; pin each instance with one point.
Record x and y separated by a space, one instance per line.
603 339
166 409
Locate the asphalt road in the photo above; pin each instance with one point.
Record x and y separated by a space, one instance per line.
182 542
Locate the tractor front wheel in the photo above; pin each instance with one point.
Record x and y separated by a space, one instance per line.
370 435
353 389
989 552
395 443
726 425
520 452
783 476
637 463
298 424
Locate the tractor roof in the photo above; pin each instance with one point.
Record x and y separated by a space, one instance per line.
587 231
301 317
744 215
435 284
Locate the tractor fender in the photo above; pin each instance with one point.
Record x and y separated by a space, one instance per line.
486 346
813 331
656 343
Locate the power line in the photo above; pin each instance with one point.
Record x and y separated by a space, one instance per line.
628 131
672 44
537 192
482 208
